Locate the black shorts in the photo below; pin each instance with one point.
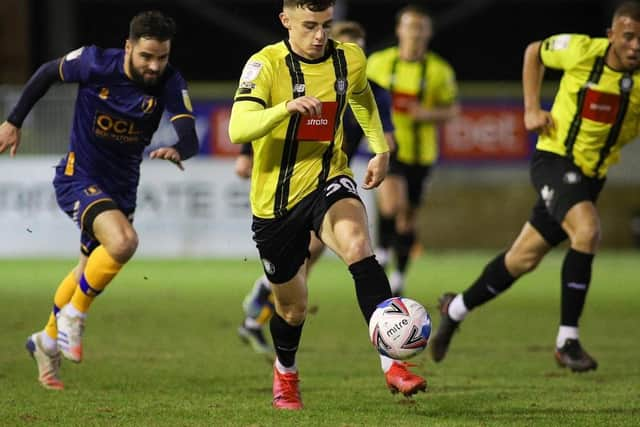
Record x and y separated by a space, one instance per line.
560 185
416 177
283 243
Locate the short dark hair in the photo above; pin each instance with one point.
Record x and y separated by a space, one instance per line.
312 5
350 29
412 8
152 24
630 9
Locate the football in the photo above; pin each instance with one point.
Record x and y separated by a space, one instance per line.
400 328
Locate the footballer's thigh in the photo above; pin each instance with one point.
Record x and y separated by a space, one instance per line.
344 229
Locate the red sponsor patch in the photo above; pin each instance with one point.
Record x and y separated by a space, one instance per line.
319 128
403 101
600 107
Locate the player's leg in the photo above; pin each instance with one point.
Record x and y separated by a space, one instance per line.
412 195
498 275
43 345
258 305
582 224
283 244
343 228
388 199
117 243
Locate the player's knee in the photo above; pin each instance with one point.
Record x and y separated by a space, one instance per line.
586 236
519 263
293 314
357 248
123 245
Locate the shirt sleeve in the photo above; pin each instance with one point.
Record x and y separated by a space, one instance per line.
177 100
256 81
383 100
563 51
447 93
75 66
252 116
365 111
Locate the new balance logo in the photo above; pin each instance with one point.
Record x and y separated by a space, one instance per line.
578 286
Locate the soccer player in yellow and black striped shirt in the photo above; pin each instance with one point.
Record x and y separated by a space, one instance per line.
424 93
290 104
596 112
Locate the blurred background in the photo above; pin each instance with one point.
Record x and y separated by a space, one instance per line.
479 195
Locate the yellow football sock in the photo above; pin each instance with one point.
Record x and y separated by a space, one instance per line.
100 270
266 312
63 295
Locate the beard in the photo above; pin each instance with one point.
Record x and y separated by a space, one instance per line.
140 78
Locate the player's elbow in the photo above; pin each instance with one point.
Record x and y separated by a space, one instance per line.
238 132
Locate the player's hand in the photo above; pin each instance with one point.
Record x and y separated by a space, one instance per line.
168 153
305 105
9 138
539 121
376 171
244 163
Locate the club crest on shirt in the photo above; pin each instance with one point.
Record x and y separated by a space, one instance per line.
341 86
104 93
626 83
299 88
148 104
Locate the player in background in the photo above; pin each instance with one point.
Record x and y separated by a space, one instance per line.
424 93
258 304
290 105
595 112
121 96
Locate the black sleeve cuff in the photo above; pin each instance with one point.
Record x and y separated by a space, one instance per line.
187 145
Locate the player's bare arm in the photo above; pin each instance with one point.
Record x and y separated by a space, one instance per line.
535 118
9 138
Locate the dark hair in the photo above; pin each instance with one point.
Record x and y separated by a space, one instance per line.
347 28
152 24
312 5
630 9
412 8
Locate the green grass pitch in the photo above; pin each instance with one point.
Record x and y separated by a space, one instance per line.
161 350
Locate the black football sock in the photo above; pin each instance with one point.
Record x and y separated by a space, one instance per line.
372 285
403 244
285 339
495 279
576 276
386 230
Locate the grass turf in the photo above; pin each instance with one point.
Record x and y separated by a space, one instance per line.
161 350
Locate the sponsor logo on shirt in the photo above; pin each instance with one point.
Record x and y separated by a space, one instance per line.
319 128
107 126
600 107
